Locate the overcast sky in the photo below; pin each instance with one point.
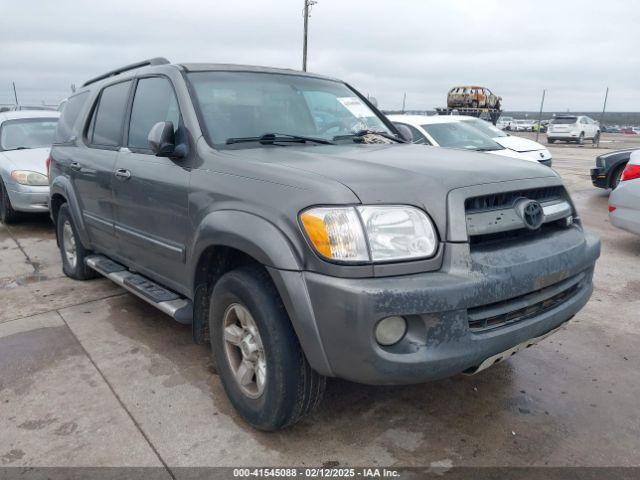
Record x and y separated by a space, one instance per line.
573 48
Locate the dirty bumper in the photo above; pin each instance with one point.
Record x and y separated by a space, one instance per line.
483 302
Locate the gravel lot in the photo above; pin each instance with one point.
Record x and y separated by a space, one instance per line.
93 376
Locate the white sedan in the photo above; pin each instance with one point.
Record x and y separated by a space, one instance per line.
624 201
471 133
25 140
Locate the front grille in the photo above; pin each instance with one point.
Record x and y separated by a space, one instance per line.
511 236
535 303
498 201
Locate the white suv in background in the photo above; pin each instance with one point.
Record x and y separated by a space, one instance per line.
573 128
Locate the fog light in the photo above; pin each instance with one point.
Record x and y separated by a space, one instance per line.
390 330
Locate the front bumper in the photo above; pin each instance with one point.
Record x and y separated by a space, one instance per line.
599 178
26 198
438 306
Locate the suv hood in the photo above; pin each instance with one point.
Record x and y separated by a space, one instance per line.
33 159
519 144
401 173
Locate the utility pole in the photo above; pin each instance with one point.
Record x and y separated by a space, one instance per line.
404 101
540 115
307 8
15 94
604 107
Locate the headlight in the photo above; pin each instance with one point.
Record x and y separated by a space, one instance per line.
370 233
25 177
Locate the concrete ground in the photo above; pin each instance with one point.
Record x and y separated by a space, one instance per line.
93 376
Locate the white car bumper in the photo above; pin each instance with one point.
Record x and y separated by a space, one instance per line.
626 201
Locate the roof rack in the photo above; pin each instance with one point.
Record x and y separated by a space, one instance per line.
126 68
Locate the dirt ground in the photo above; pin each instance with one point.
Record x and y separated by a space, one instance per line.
93 376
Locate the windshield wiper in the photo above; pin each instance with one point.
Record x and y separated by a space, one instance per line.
488 149
271 138
362 133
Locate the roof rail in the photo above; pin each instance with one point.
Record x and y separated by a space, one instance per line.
126 68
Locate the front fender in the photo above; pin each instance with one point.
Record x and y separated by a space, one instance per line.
248 233
62 186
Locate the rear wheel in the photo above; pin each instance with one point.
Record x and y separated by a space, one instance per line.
71 250
7 213
551 140
261 365
617 176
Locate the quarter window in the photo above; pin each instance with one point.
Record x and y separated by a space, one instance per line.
106 124
69 116
154 102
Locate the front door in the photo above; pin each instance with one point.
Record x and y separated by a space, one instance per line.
151 193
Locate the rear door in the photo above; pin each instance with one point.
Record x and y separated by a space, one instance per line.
151 193
91 170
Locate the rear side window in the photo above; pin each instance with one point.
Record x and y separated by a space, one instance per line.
154 102
69 117
106 124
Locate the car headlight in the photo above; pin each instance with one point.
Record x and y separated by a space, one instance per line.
370 233
25 177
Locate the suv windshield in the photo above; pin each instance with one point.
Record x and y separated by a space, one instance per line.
246 105
459 135
27 133
485 127
564 120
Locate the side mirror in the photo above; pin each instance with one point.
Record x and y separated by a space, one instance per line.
404 132
162 141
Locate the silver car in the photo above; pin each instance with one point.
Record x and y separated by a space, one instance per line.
624 201
25 141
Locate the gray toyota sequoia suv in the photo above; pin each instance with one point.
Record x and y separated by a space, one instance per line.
285 219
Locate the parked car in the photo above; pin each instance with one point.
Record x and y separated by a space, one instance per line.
505 123
301 251
472 97
25 139
21 108
524 125
624 201
573 128
470 133
609 168
628 131
539 127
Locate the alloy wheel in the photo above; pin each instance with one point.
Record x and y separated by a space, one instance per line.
244 350
69 244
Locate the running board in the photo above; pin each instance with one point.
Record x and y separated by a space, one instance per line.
177 307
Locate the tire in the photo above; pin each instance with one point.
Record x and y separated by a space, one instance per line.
551 140
580 140
596 139
70 245
7 213
617 175
291 389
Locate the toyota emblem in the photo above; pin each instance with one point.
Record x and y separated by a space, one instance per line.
531 213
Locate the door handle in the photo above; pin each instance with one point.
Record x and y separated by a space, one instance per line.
75 166
123 174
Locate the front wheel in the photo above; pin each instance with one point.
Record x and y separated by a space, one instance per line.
551 140
581 139
596 138
261 364
71 250
7 213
